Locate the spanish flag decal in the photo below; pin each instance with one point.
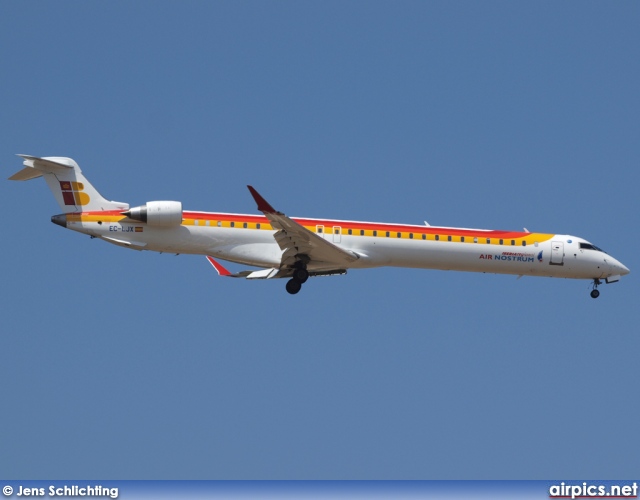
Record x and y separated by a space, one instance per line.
139 229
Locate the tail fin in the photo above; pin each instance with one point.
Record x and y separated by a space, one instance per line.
73 192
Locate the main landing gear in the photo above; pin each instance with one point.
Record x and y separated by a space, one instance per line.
595 293
300 276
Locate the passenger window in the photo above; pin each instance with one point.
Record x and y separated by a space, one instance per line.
361 232
462 239
350 231
336 231
513 242
388 234
449 238
233 224
319 229
524 243
501 242
219 223
375 233
475 240
410 236
399 235
258 225
437 237
424 236
244 225
488 241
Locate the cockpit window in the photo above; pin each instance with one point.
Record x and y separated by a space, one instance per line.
589 246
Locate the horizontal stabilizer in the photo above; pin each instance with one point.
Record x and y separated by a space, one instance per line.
51 164
26 174
35 167
71 189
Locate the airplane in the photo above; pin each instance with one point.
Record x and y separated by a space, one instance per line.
299 248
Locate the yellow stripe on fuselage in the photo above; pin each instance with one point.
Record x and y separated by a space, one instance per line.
395 231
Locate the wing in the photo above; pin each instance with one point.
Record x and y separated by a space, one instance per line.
301 245
265 274
261 274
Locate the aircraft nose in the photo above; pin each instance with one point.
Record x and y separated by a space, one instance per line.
623 269
619 268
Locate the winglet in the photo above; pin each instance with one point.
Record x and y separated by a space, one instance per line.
263 205
218 267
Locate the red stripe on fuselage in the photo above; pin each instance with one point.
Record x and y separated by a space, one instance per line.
354 225
367 226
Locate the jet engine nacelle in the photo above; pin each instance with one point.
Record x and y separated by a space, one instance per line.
157 213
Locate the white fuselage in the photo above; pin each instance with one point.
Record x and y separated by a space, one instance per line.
249 239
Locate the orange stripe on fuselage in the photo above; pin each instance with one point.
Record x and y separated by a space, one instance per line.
355 226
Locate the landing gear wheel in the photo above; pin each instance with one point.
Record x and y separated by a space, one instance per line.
595 294
293 286
301 275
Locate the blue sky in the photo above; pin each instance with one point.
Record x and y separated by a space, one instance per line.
501 115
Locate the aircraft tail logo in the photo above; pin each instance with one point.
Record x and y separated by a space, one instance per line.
72 193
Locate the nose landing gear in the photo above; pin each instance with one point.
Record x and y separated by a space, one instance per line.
595 293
